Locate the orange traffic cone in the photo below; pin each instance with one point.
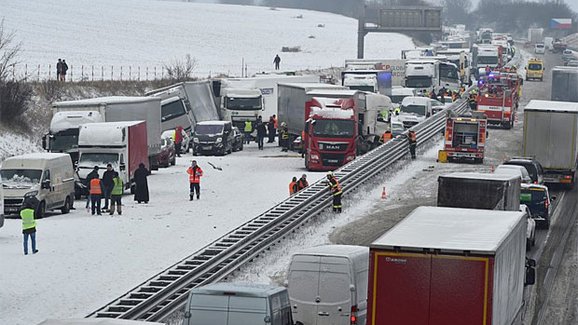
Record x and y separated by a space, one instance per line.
383 194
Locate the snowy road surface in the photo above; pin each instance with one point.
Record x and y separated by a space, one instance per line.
150 33
85 261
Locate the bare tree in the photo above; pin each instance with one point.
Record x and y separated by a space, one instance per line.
181 70
9 50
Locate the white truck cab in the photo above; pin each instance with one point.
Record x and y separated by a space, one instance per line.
414 110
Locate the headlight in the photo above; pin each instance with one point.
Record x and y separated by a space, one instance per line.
219 140
196 140
30 194
314 157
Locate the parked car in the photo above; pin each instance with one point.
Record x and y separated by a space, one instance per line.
238 304
213 137
517 170
530 227
168 154
533 167
538 199
396 128
238 139
539 48
186 144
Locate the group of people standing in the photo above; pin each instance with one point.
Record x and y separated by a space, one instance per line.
297 185
265 129
61 70
111 187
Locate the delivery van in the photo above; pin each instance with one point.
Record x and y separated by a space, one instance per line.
238 304
328 285
47 176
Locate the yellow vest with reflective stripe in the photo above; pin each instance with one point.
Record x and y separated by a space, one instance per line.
28 221
118 186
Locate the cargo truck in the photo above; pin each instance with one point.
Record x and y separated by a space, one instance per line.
442 266
395 66
432 73
68 116
486 55
121 144
535 35
479 191
565 84
186 103
550 137
245 99
375 81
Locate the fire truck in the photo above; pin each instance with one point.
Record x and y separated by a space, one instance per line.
498 97
465 138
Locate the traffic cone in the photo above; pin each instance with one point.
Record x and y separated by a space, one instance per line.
383 194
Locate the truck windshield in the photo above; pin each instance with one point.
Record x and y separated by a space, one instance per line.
243 103
63 143
22 176
208 129
91 159
535 66
485 60
334 128
413 109
418 82
449 72
363 88
396 99
172 110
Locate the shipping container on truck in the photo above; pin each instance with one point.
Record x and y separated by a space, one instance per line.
396 66
121 144
465 138
68 116
565 84
550 136
479 191
442 266
291 104
185 104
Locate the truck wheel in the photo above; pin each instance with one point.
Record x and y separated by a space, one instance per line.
478 160
66 207
507 125
41 210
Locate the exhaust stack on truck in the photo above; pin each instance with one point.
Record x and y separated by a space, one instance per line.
444 266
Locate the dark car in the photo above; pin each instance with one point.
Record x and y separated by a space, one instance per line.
238 139
533 167
213 137
167 156
537 198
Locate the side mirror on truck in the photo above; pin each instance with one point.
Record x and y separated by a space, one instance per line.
122 167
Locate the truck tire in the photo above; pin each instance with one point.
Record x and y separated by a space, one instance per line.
41 210
478 160
66 207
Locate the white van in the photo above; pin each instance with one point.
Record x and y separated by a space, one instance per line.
238 304
539 48
328 285
47 176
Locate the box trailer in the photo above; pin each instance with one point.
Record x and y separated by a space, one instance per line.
443 266
479 191
565 84
68 116
550 137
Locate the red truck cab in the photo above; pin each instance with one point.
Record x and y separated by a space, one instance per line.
331 129
498 98
465 138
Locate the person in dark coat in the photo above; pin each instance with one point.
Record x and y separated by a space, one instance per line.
261 132
58 69
271 131
107 184
277 61
63 71
141 193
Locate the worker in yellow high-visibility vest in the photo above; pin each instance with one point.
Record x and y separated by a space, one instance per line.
29 223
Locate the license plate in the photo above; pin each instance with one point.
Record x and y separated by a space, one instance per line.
207 147
332 161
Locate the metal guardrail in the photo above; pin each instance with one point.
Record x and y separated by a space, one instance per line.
166 292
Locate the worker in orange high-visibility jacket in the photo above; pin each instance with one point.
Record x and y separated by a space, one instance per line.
336 191
293 187
386 136
412 139
195 173
95 190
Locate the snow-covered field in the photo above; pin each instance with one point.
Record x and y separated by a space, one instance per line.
150 33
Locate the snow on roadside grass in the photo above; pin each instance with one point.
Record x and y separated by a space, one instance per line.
12 144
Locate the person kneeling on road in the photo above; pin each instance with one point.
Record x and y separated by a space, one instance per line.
195 173
116 194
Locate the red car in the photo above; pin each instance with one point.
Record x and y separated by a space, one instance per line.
167 156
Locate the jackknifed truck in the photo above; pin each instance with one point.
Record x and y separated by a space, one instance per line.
442 266
550 136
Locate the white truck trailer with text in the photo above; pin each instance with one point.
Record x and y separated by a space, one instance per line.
550 136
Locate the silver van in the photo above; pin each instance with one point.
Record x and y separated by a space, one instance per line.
328 285
238 304
47 176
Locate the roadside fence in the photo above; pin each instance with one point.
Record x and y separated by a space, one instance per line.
78 73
